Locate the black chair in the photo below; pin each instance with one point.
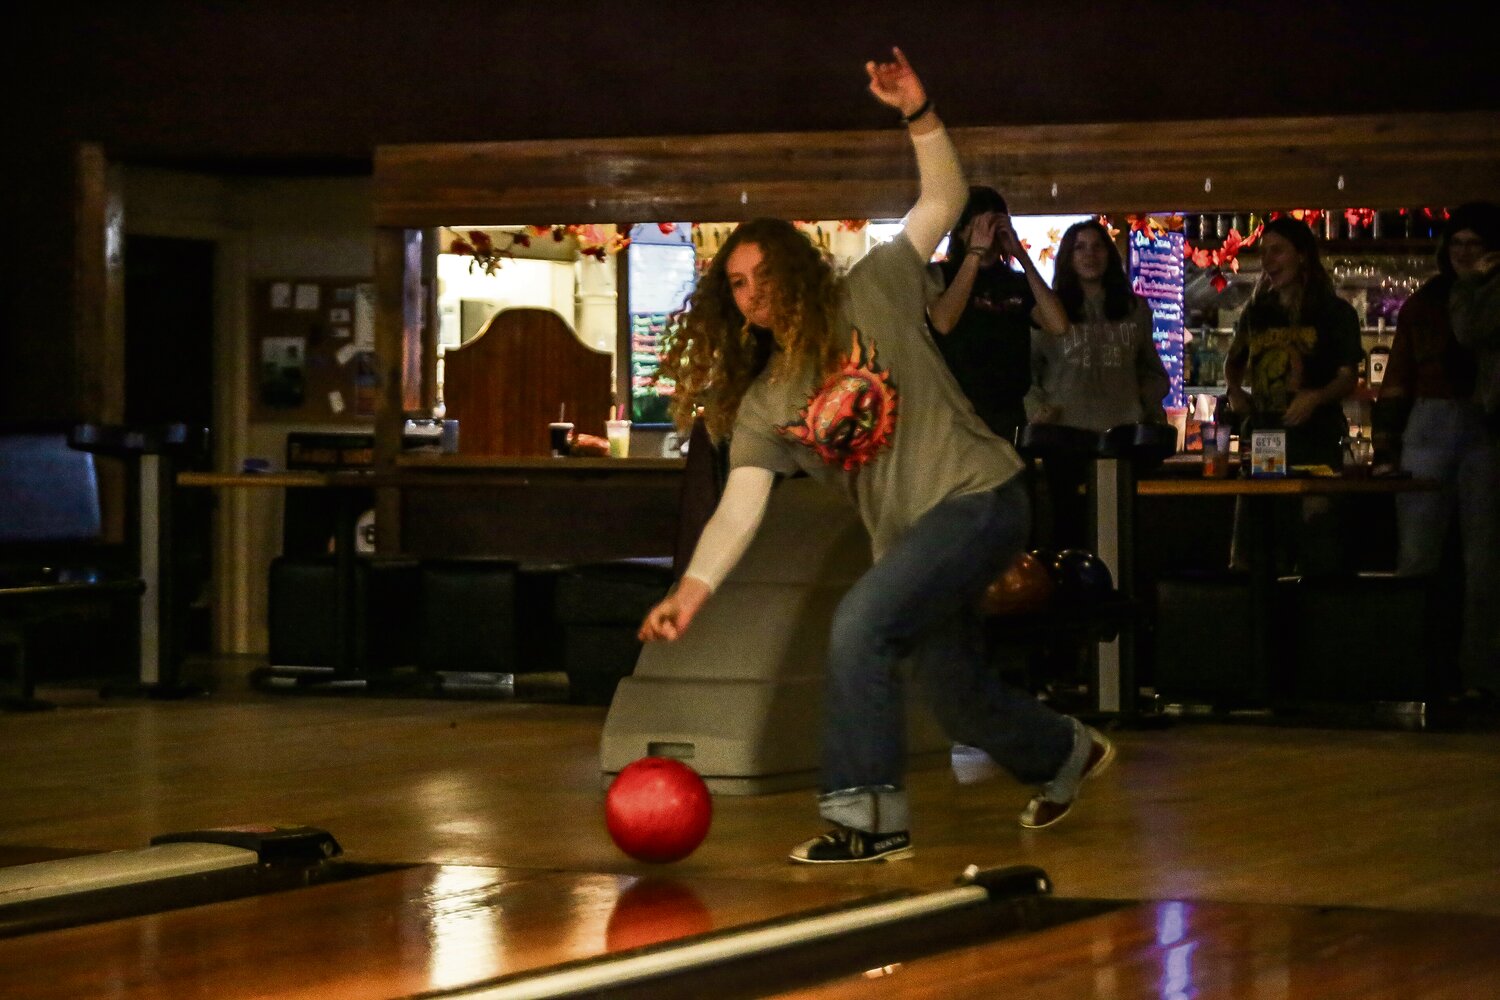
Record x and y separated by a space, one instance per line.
53 563
599 607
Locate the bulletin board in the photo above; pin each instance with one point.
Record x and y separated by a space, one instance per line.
312 350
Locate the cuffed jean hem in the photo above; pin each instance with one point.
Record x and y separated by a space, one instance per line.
873 809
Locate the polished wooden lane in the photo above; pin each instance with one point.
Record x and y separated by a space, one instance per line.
1217 812
393 934
1176 950
510 793
437 928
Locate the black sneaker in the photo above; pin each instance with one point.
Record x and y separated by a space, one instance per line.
845 845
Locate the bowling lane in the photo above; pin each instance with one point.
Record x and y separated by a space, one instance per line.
392 934
1175 950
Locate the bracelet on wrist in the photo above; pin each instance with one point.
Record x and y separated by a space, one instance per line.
925 107
976 251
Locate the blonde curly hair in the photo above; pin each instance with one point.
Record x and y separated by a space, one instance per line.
711 352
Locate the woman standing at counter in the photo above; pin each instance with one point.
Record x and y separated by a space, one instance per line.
1297 344
1432 376
1474 306
855 395
1102 372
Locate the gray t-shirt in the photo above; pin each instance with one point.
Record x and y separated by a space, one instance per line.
890 428
1101 372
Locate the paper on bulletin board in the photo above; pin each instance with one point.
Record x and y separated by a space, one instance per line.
283 366
307 297
364 317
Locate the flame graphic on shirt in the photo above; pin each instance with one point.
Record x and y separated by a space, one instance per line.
852 415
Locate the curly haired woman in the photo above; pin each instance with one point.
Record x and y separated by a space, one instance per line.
837 378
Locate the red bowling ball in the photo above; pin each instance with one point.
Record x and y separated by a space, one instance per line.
658 810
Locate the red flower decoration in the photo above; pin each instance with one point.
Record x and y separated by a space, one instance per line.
1226 256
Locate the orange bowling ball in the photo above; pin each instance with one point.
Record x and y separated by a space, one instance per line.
1025 587
658 810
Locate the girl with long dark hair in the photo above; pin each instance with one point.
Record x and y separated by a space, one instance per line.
1296 350
1104 371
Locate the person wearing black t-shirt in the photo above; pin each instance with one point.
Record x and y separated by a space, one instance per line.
1296 347
982 320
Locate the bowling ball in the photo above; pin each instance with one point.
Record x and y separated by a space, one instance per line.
1081 577
658 810
1024 587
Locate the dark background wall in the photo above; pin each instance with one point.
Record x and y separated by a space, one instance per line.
302 83
312 87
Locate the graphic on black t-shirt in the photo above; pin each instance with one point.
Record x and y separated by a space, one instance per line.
1277 359
852 415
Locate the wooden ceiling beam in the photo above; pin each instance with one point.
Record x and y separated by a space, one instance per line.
1383 161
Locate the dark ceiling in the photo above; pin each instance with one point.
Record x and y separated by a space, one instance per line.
314 86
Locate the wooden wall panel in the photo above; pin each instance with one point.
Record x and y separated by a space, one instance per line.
506 384
572 517
1384 161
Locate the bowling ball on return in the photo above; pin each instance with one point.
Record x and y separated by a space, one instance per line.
1025 587
658 810
1081 577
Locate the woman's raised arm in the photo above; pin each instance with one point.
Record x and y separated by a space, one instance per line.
941 186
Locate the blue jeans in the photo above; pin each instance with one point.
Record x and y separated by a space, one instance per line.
1446 440
919 600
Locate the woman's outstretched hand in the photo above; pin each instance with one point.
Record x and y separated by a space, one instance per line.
671 617
895 83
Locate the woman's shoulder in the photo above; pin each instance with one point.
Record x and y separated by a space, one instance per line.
1433 292
896 253
1334 307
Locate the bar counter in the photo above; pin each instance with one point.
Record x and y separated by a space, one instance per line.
526 508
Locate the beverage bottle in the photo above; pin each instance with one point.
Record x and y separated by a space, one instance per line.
1380 356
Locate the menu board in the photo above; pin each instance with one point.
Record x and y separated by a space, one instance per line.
663 274
1157 274
313 350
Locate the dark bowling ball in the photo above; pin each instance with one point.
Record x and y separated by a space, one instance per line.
658 810
1023 588
1081 577
1045 556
